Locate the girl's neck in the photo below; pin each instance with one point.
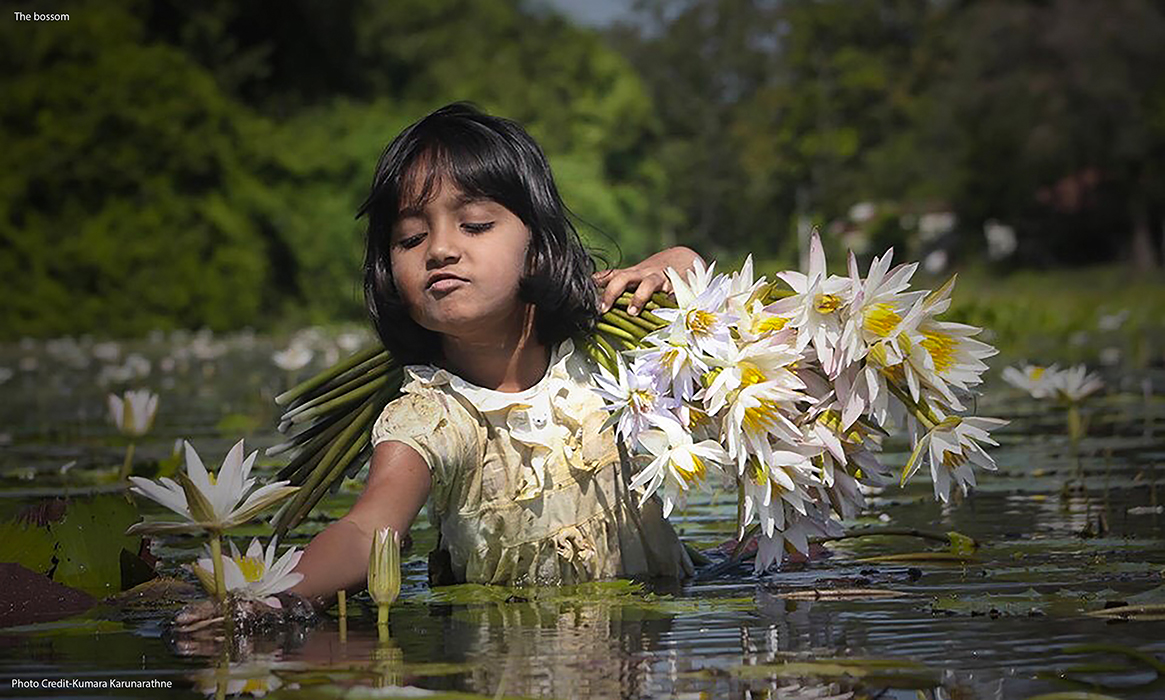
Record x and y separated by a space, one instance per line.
508 362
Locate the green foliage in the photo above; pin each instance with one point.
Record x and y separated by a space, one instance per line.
90 539
30 546
174 166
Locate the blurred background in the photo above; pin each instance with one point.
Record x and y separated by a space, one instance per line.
188 165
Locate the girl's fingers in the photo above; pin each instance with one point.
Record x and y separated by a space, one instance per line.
647 286
616 283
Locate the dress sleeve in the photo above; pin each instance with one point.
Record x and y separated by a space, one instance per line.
438 428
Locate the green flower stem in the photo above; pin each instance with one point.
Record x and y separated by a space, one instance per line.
220 586
641 325
596 354
621 321
342 602
341 390
353 437
123 473
616 332
605 347
329 374
325 403
351 397
1075 426
382 614
920 411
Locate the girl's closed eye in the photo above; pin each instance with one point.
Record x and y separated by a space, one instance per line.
478 228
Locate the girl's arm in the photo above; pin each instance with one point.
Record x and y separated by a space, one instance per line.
647 277
398 485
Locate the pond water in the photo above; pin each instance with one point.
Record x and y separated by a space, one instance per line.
1065 534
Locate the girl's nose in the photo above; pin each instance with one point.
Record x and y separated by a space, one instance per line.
444 247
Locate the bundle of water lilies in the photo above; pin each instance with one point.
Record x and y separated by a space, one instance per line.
784 390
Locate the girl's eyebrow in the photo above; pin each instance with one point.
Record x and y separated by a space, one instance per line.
462 201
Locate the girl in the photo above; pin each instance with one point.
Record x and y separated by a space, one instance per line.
477 279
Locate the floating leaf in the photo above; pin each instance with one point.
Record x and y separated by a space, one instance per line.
30 546
90 540
961 544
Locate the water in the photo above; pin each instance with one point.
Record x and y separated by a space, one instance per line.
1011 623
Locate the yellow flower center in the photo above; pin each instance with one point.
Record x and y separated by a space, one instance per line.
1038 372
881 320
255 686
750 374
710 376
668 357
690 476
766 323
700 322
762 417
212 477
757 472
953 460
941 348
641 400
252 567
695 418
826 303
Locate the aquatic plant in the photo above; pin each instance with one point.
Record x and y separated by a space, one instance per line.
210 503
133 415
790 390
384 571
256 575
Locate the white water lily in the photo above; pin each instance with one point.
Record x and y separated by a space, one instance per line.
816 309
256 575
771 549
757 413
635 397
679 463
951 448
206 501
1074 384
701 318
1034 379
945 356
881 310
134 413
766 360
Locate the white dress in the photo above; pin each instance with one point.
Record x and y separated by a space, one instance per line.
527 486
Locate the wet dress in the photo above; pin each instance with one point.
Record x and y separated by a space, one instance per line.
527 487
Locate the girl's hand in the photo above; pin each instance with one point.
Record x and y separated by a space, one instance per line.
248 615
647 278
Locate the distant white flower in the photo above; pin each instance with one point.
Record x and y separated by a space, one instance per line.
137 365
29 363
6 373
936 261
207 502
1033 379
934 224
257 575
134 414
1001 241
108 351
1075 383
350 342
862 212
1112 322
293 358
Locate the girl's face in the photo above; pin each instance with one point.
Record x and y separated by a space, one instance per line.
457 263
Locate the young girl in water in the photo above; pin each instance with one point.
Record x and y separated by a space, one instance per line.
476 279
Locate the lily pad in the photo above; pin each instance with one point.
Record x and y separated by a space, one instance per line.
30 546
90 540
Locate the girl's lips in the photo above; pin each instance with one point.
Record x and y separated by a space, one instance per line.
446 284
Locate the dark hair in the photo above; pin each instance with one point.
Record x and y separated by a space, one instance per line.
489 157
